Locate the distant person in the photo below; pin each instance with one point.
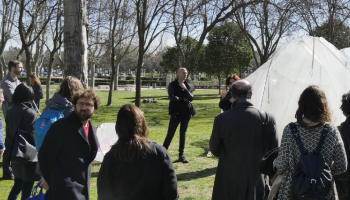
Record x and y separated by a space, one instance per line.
180 109
69 147
135 167
312 115
62 98
239 141
2 145
38 90
9 84
21 116
226 97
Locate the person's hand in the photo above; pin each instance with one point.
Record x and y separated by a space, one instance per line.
223 94
231 100
182 85
1 154
185 99
44 184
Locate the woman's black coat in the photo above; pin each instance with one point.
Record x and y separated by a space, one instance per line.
225 103
152 178
13 121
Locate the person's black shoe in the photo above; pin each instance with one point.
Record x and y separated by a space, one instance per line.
182 159
8 176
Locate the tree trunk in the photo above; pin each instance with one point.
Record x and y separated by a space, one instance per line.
219 84
49 71
116 77
92 79
138 77
75 40
110 95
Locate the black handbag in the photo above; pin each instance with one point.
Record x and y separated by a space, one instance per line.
22 151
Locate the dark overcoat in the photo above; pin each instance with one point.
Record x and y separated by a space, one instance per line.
65 159
237 140
177 96
22 116
225 103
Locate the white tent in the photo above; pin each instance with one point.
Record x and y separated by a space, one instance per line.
107 137
278 83
346 52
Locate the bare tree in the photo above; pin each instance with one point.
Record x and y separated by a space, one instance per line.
196 19
31 25
56 32
75 40
330 15
8 11
122 35
265 24
151 23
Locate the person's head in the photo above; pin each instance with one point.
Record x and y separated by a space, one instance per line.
85 103
345 104
313 105
182 73
23 93
15 66
69 86
34 80
132 130
241 89
230 79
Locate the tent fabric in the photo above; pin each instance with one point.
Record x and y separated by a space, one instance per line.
346 52
278 83
107 137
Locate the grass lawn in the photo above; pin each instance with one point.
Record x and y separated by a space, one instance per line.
195 179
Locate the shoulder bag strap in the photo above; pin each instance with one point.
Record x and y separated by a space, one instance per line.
297 138
322 138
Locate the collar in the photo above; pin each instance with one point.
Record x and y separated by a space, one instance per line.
242 101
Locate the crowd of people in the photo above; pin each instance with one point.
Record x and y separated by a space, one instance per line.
137 168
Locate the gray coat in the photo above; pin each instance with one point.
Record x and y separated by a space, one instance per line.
24 172
238 142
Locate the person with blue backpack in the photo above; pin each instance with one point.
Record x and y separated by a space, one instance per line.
59 106
311 151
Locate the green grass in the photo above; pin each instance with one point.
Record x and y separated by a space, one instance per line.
195 179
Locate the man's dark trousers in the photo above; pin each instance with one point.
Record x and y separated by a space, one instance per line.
6 168
184 119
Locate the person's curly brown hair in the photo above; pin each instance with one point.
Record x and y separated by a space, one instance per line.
69 86
313 105
88 94
232 76
345 104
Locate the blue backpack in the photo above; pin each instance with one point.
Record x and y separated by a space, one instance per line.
43 124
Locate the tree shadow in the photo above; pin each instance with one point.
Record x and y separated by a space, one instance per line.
204 144
197 174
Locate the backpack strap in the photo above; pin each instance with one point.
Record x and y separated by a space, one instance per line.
322 138
297 138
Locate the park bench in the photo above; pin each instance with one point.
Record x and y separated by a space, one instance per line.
103 87
129 87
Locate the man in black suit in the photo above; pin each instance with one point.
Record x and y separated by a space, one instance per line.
181 109
68 149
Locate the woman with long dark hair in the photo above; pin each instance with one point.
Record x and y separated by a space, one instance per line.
135 167
37 89
312 115
22 115
226 96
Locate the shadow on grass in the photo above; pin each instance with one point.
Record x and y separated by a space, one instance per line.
197 174
204 144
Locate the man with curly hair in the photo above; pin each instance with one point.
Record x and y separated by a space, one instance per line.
68 149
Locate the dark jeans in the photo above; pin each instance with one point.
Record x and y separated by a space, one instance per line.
6 168
184 119
18 186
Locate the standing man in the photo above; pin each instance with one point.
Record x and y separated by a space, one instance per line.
239 141
68 149
9 84
180 108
